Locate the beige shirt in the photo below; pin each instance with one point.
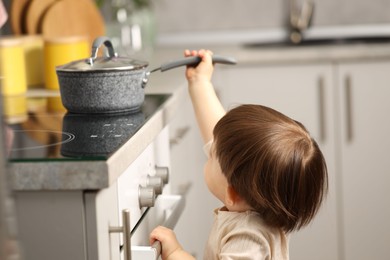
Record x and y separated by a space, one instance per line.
244 236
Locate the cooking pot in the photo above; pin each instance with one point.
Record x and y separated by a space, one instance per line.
111 84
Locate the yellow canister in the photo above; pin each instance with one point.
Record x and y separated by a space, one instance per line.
54 104
12 67
33 53
59 51
15 109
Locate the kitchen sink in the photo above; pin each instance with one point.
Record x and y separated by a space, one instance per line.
319 42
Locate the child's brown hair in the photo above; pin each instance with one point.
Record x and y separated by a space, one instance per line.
273 164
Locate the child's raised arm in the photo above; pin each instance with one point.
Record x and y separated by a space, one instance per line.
208 109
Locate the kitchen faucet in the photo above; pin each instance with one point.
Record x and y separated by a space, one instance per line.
300 19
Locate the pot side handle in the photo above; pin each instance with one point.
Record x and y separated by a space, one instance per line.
193 61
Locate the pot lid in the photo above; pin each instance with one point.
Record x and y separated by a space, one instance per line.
103 64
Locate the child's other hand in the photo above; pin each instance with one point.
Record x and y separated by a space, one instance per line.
204 70
169 243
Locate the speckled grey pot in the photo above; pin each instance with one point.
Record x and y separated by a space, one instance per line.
107 84
102 92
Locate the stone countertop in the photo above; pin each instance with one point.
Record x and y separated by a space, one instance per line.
100 174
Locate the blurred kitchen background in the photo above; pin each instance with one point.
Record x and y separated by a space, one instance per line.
257 19
322 85
233 21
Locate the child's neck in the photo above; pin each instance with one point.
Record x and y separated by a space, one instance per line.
242 206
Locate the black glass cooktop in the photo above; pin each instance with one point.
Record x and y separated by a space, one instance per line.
45 132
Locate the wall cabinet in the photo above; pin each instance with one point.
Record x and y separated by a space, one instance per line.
344 106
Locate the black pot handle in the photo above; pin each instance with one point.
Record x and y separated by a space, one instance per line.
194 61
97 43
188 61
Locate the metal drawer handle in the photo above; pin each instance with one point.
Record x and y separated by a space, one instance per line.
348 108
126 233
154 251
321 104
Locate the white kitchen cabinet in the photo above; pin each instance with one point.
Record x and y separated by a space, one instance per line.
69 224
51 224
101 213
364 94
344 106
305 93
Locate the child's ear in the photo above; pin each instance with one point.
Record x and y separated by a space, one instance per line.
232 196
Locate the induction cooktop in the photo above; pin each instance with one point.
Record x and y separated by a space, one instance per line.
51 135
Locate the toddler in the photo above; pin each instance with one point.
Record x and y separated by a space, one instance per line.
263 166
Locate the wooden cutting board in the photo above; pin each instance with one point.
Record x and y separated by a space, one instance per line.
18 15
73 18
35 13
